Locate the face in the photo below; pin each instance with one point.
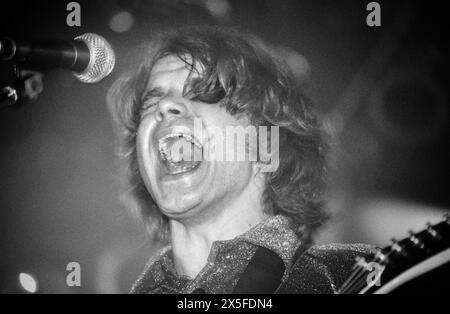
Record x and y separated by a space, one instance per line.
197 187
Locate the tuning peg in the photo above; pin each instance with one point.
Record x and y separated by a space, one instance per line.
397 247
414 239
380 256
361 261
393 242
447 218
431 230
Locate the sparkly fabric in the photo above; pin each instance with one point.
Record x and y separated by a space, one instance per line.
321 269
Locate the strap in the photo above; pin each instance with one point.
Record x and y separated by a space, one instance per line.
264 272
299 252
262 275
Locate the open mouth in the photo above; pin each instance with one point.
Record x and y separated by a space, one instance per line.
180 152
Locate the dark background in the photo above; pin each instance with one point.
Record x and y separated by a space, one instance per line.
381 91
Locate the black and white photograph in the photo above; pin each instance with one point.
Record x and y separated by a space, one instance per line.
224 152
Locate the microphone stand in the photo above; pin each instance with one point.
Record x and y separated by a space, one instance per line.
26 85
8 97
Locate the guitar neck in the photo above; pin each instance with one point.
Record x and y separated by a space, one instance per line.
416 253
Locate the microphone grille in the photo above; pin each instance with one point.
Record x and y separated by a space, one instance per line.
102 58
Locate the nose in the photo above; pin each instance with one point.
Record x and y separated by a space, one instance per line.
169 108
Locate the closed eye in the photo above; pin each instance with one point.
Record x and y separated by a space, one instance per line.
151 98
147 105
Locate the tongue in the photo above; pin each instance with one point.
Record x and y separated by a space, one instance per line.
185 155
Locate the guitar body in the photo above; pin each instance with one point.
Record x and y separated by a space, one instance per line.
419 263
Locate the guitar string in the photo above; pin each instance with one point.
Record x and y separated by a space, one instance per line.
360 279
355 277
352 284
363 270
355 283
351 279
347 286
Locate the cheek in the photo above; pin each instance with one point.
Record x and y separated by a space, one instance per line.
145 154
234 175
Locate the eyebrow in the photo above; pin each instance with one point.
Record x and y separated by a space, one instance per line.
152 93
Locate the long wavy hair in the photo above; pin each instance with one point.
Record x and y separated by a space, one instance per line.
242 74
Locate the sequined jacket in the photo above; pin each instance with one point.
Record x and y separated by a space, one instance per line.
320 269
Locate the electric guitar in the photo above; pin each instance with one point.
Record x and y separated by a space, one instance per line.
419 261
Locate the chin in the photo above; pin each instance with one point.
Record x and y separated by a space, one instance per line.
181 193
179 206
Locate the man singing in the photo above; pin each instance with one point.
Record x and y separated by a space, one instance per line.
229 224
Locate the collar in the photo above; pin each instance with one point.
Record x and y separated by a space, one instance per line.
273 233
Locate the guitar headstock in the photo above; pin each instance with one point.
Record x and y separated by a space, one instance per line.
388 262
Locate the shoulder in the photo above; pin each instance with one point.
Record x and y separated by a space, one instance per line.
323 268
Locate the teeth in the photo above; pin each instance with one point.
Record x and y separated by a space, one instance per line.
164 151
162 144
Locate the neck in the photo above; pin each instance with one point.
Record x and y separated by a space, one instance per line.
192 242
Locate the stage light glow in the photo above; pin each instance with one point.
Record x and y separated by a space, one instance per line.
218 8
121 22
298 64
28 283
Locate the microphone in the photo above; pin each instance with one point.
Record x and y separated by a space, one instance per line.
89 56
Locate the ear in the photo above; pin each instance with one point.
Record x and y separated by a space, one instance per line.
259 177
